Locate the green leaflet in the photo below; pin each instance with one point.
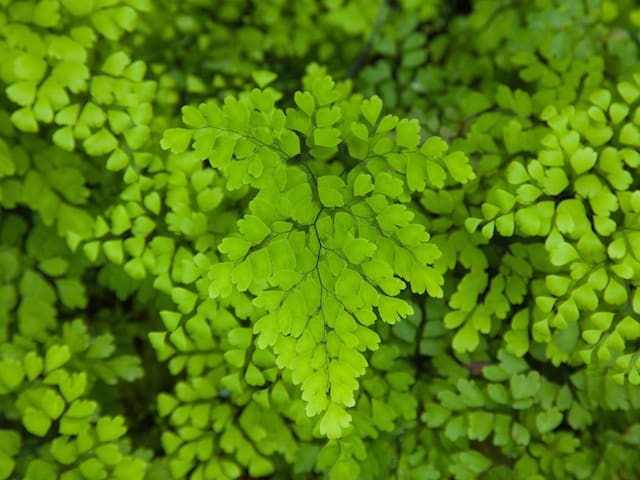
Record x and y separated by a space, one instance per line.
330 191
36 422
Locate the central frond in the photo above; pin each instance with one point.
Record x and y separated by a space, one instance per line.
330 240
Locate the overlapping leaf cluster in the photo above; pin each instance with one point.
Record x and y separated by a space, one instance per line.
200 50
71 94
323 250
335 291
554 154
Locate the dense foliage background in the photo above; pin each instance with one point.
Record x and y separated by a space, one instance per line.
339 239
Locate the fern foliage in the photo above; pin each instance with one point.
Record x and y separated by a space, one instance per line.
319 239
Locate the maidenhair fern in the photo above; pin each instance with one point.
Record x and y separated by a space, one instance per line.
326 247
411 252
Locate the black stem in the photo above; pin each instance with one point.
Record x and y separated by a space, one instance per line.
365 51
